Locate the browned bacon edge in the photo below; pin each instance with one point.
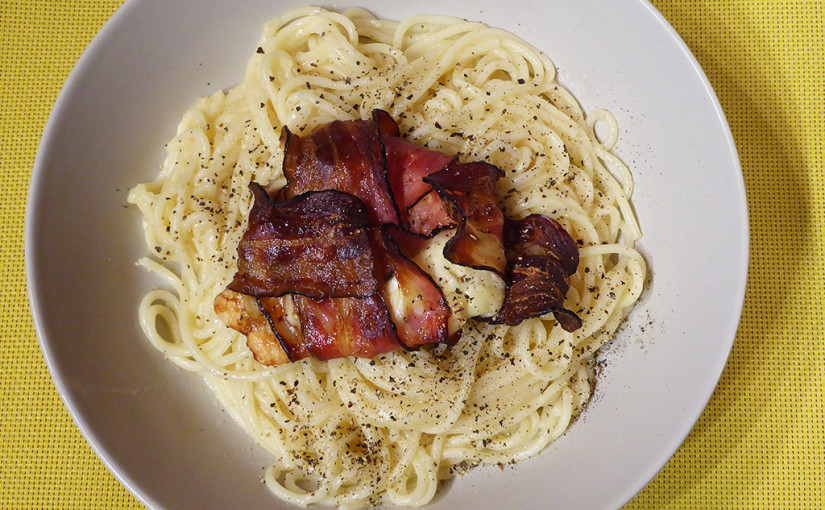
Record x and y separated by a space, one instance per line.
468 191
241 313
541 257
289 336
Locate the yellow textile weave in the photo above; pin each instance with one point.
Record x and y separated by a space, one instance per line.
761 441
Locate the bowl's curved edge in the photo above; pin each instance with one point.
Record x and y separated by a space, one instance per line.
31 243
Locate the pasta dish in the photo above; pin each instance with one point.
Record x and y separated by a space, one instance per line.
355 431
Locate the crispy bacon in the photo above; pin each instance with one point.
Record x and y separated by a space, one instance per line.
545 233
289 334
468 190
315 244
346 156
541 258
336 251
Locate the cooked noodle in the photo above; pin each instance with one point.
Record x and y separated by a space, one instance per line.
352 432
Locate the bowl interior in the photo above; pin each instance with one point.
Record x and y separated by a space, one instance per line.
160 430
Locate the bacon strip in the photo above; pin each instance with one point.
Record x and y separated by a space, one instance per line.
429 215
386 124
314 244
541 258
289 335
340 327
407 166
546 233
346 156
468 190
416 304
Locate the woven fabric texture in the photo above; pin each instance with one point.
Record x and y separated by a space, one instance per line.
760 442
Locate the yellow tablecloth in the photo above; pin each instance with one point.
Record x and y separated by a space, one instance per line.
759 443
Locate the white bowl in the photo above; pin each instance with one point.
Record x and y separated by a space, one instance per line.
160 430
